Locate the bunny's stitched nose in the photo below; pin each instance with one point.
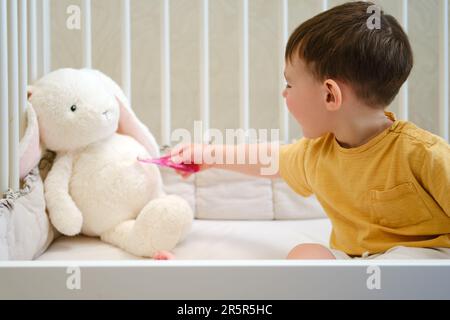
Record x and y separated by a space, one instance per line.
107 114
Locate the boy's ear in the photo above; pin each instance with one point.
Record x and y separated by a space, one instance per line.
333 98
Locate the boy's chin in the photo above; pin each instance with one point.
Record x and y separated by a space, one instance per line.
311 135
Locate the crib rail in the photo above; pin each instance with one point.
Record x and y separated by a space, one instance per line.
238 279
25 55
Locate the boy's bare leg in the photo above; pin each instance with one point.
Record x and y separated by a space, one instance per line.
310 251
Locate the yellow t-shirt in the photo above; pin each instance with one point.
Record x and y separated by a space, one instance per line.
393 190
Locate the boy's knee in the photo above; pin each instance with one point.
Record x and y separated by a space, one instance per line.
310 251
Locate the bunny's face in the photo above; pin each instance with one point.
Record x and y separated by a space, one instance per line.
74 109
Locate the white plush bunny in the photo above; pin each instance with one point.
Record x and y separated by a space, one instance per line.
96 185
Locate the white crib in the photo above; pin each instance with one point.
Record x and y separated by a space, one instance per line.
228 255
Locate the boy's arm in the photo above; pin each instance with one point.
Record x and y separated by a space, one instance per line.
254 165
260 160
287 162
272 161
435 174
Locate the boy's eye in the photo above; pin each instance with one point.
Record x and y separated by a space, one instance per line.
288 86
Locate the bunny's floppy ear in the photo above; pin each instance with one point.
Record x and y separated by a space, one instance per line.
129 124
29 147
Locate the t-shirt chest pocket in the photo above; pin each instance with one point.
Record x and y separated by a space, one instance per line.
399 206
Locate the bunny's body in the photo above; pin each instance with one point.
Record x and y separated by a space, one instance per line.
108 172
96 185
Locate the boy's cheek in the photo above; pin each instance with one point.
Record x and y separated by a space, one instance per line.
294 109
290 104
291 110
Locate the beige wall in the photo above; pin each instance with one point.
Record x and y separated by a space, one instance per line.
265 54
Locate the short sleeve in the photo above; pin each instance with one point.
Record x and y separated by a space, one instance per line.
435 174
292 166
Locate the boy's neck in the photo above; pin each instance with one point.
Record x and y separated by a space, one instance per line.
358 126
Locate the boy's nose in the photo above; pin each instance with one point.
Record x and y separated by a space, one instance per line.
284 93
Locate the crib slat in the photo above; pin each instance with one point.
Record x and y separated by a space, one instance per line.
404 95
204 65
46 45
13 95
4 139
324 5
126 49
165 74
23 65
443 72
244 65
33 63
284 114
86 33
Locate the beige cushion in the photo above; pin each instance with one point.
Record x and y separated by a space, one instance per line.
226 195
229 195
289 205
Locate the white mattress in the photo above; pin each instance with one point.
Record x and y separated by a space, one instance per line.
210 239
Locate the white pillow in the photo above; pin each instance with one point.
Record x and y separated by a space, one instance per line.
25 230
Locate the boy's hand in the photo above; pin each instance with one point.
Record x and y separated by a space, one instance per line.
190 154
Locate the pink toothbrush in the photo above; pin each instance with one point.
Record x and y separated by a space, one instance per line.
166 161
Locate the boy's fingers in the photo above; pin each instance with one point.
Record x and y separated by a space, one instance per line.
181 153
185 175
176 152
187 153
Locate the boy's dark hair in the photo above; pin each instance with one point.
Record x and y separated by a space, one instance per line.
338 44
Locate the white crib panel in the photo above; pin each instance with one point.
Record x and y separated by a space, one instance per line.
126 49
86 33
4 109
23 65
166 104
46 37
204 67
13 95
444 114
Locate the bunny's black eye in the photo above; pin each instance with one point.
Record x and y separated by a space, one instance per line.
73 108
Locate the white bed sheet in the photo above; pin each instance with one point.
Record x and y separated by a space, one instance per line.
211 240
